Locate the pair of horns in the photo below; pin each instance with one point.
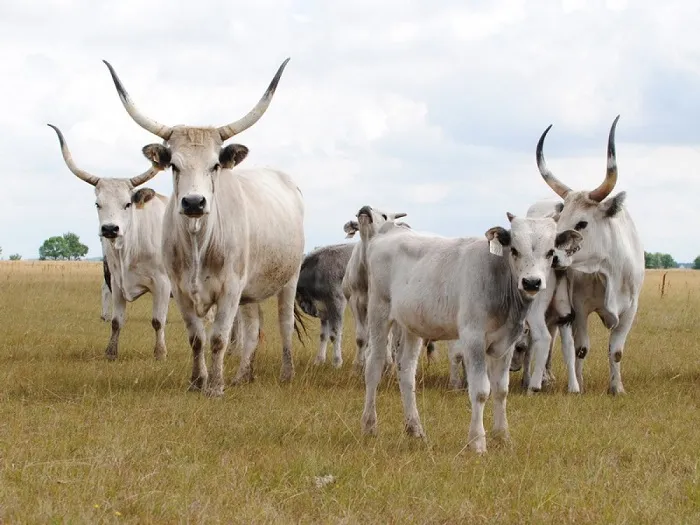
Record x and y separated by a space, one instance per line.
226 132
94 179
562 189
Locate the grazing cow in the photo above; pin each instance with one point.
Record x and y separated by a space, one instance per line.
607 273
231 236
551 311
130 231
320 294
444 289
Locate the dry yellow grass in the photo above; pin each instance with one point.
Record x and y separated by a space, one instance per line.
83 440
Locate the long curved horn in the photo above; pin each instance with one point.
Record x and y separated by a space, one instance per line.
608 184
145 176
229 130
142 120
559 187
84 175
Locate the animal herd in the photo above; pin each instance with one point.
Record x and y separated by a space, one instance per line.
230 237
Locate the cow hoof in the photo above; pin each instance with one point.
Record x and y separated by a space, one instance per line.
358 368
369 425
616 390
478 445
502 436
286 375
214 391
414 429
548 378
160 354
243 378
337 362
111 356
531 391
196 384
319 360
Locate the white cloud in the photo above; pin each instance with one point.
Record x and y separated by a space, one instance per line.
429 109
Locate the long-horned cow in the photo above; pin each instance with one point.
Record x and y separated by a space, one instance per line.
607 273
231 236
455 289
130 230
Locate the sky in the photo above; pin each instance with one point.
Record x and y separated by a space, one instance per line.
429 108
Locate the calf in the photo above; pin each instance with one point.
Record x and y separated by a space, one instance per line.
444 289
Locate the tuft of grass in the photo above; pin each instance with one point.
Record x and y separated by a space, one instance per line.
83 440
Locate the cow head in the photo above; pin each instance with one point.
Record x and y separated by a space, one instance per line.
115 199
529 246
370 220
588 212
551 209
196 155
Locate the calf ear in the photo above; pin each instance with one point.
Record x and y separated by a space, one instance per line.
569 241
142 196
351 228
158 154
232 155
500 234
612 207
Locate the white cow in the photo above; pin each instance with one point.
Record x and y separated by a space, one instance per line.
231 236
130 229
608 272
444 289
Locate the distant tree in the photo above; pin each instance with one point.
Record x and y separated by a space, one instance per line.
53 248
667 261
74 249
696 263
15 257
0 252
651 260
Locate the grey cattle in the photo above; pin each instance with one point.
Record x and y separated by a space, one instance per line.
231 237
320 294
467 289
130 231
607 273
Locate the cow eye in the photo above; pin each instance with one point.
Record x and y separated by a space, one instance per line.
580 225
514 252
127 206
97 205
550 253
385 217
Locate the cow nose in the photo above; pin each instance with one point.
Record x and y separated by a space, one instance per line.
531 285
110 230
193 205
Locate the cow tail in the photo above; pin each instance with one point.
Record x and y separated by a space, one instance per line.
261 333
299 323
430 349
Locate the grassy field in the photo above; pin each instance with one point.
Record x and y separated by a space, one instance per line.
83 440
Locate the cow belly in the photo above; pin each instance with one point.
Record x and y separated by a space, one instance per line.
426 319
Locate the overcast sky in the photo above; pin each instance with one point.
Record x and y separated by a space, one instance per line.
430 108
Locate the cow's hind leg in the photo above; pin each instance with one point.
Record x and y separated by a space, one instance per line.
473 345
335 319
118 319
285 313
323 340
161 298
406 364
616 347
378 318
247 334
358 305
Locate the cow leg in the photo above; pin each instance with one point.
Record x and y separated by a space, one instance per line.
458 366
548 377
358 305
406 364
323 343
499 377
568 352
540 341
248 331
336 329
118 319
106 299
378 319
616 347
582 342
226 310
161 298
285 314
473 346
197 337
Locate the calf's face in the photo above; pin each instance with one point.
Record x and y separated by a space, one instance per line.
530 246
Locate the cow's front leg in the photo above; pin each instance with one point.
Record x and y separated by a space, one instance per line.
161 298
406 363
499 377
118 319
106 300
474 348
226 310
197 339
248 321
378 321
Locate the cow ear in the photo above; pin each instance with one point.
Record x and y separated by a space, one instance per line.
158 154
569 241
142 196
351 228
232 155
500 234
611 207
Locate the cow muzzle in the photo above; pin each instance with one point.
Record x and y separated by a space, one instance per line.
193 205
109 231
531 285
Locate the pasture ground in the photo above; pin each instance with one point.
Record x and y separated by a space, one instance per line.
83 440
